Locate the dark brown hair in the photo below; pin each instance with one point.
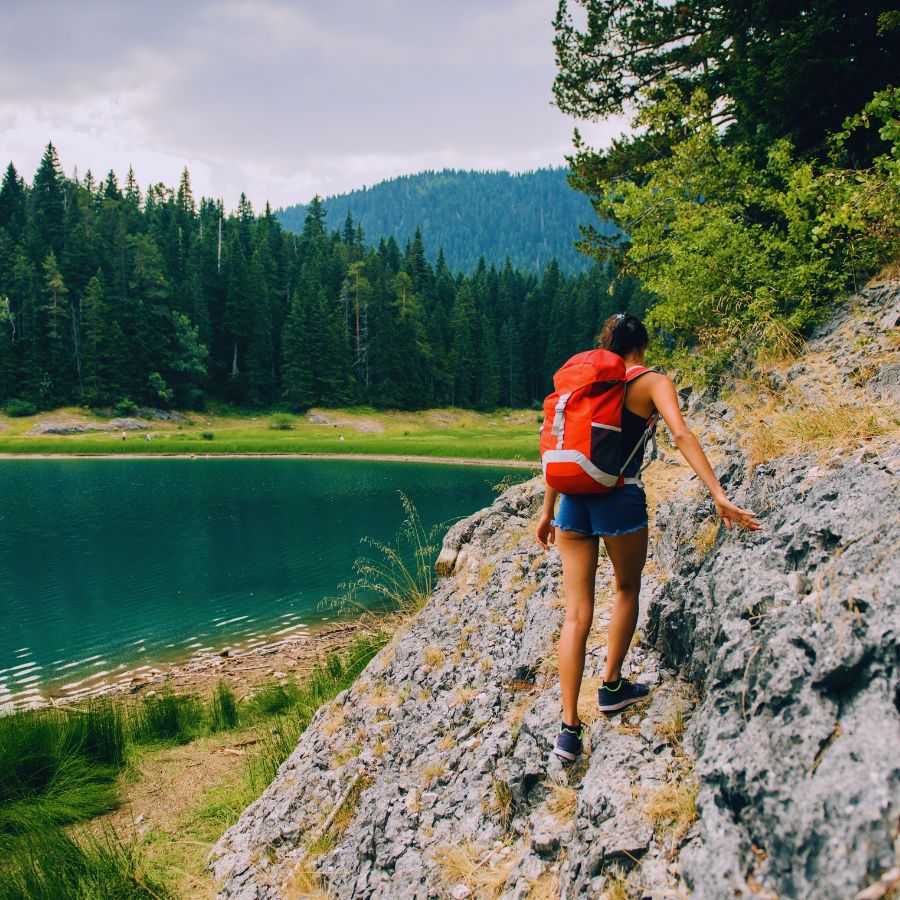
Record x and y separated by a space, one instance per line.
623 333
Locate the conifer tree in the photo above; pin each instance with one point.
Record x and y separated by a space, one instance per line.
48 202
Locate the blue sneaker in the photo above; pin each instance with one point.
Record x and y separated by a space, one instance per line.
613 699
568 741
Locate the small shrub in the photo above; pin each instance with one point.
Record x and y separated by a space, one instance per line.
282 422
126 407
207 435
18 409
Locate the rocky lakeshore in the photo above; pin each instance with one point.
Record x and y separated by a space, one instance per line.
765 762
242 668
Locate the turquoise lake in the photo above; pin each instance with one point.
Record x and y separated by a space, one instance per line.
108 565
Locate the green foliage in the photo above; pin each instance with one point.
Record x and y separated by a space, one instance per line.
57 767
771 71
47 864
223 709
282 422
125 407
167 718
207 435
16 408
740 254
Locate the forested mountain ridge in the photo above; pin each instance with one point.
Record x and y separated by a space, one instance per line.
529 217
109 296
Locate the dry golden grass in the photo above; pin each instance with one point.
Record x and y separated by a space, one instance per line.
447 742
833 421
433 770
617 886
344 755
673 807
304 883
485 665
335 723
558 602
380 696
464 695
501 803
562 801
526 590
485 570
588 704
379 748
517 625
544 888
549 665
432 657
671 728
705 537
473 867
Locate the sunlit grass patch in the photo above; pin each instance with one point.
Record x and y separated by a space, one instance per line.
673 807
467 864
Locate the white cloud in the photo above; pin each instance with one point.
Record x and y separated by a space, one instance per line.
283 99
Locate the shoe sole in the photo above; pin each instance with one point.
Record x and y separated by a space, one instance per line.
615 707
564 754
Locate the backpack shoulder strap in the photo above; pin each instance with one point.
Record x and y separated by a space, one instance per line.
633 372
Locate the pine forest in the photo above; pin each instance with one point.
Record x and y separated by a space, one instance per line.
111 297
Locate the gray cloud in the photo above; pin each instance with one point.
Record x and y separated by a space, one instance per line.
282 99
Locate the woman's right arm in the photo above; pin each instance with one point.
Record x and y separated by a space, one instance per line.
546 533
665 399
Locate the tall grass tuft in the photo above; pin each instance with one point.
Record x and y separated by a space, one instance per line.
223 709
401 578
168 717
57 768
49 865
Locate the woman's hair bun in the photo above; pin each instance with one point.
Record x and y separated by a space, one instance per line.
623 333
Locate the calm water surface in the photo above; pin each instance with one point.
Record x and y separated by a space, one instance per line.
107 565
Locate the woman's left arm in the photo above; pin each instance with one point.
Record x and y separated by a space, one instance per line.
545 532
665 399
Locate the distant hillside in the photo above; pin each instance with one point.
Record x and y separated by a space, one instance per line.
529 217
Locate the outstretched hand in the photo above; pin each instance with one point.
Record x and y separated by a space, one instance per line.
545 532
731 512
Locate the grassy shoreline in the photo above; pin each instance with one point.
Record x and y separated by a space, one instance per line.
79 804
437 435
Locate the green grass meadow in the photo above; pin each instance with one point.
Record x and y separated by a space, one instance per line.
501 435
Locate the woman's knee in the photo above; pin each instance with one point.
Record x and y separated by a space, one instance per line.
578 621
628 588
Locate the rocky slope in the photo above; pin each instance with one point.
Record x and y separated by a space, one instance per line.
432 776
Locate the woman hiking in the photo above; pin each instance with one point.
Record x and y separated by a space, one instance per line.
619 516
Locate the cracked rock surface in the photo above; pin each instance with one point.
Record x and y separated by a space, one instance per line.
777 650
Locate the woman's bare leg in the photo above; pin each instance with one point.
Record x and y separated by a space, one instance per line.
578 553
627 553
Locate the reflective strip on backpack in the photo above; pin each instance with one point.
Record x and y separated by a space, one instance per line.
604 425
577 457
559 420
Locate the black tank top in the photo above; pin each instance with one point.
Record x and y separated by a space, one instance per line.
633 428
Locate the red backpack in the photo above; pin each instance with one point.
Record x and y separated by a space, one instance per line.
581 438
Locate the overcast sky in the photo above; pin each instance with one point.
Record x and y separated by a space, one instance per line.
281 99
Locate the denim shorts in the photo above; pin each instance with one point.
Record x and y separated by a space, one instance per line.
619 511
